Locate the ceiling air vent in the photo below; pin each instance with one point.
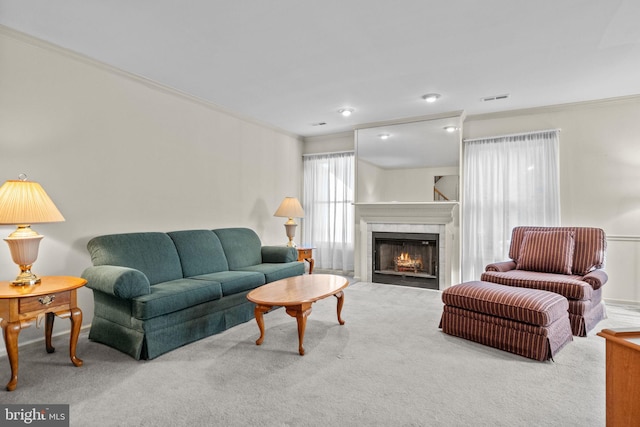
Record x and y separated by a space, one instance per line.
495 98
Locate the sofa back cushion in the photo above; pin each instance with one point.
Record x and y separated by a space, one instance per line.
590 245
242 247
547 252
152 253
200 252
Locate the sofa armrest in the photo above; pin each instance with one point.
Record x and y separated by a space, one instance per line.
274 254
596 278
501 266
122 282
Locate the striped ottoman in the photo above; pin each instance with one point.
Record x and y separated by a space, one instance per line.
528 322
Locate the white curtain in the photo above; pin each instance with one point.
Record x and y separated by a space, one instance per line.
328 224
507 181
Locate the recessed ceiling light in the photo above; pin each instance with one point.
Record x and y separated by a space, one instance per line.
346 112
384 136
450 129
431 97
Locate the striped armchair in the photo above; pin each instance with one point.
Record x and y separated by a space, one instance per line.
564 260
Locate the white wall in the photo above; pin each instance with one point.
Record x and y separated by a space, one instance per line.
337 142
119 154
599 175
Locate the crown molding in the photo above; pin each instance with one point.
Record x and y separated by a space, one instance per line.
555 108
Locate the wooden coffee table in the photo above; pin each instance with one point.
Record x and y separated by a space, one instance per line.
296 294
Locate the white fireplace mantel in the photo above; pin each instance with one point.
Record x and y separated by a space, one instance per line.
408 217
420 212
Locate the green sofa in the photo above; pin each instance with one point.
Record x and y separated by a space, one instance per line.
154 292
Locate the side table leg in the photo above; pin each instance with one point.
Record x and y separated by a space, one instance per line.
311 264
11 332
76 323
258 313
48 329
340 296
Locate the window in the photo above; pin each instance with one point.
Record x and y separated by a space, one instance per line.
328 224
508 181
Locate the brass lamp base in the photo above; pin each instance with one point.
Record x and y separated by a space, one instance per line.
26 277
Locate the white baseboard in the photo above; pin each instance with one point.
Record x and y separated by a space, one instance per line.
634 304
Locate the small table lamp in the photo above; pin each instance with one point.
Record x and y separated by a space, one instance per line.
290 208
23 203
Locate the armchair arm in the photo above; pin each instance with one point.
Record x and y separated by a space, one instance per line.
122 282
501 266
596 278
279 254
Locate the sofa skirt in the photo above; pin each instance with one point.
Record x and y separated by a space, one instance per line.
148 339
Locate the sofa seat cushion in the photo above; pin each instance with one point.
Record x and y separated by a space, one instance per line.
273 272
233 282
174 295
531 306
569 286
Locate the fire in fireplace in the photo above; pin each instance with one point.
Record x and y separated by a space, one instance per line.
409 259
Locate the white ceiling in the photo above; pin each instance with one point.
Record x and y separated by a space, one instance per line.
293 63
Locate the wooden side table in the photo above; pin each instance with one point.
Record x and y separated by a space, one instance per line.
623 371
305 253
21 306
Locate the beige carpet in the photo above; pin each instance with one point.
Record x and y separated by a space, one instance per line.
389 365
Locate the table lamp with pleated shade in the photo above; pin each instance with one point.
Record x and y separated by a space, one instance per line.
23 203
290 208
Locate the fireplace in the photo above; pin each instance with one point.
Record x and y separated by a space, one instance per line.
408 259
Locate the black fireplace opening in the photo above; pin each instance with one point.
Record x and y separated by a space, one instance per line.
407 259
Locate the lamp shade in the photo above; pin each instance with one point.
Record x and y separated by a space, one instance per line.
26 202
290 208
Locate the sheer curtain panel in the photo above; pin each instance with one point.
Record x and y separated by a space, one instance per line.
329 212
507 181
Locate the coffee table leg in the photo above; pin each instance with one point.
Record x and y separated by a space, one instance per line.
340 296
300 312
258 312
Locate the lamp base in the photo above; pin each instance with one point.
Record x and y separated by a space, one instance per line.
23 244
26 277
291 232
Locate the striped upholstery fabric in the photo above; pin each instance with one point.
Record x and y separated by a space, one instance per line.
490 314
568 286
582 307
581 288
535 342
589 250
547 251
523 305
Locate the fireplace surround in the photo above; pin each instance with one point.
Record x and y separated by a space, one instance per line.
440 218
